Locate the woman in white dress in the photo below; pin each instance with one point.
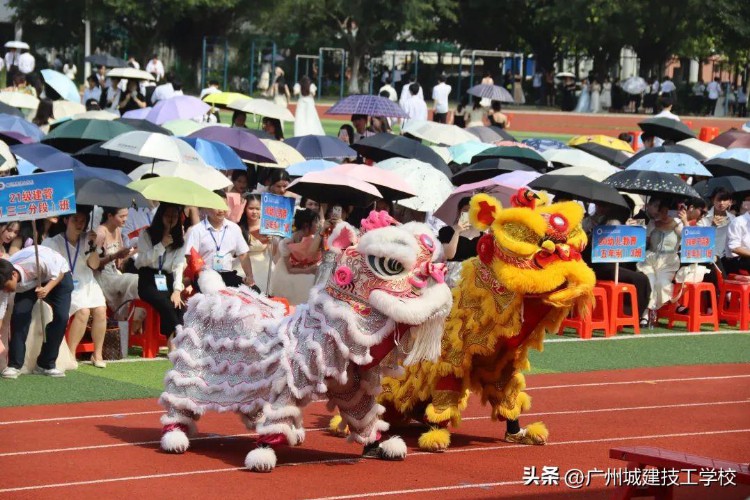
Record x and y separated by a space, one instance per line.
606 98
477 114
306 119
583 99
280 90
297 259
596 89
118 288
261 247
87 300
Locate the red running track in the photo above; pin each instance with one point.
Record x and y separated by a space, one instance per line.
110 449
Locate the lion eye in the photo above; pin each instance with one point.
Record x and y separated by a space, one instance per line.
385 266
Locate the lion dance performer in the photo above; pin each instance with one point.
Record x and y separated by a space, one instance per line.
237 353
527 277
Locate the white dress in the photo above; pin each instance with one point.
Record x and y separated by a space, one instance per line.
293 287
595 106
306 119
118 287
260 258
606 97
583 105
476 117
661 264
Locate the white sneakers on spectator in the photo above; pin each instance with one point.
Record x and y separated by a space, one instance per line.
10 372
49 372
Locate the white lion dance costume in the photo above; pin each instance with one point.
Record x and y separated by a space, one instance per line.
238 353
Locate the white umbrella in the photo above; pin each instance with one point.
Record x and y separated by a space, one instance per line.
565 74
262 107
438 133
285 154
19 100
443 152
634 85
130 74
63 109
574 158
431 184
17 44
208 177
701 147
156 146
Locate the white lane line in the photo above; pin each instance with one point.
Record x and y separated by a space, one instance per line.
318 429
80 417
630 382
356 459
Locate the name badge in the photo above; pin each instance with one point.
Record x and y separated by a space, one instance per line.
160 281
218 263
76 284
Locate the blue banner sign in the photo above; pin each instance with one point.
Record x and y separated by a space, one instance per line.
698 245
37 196
276 215
618 244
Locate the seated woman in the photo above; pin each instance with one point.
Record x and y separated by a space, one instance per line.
118 287
78 246
261 247
160 266
298 259
8 234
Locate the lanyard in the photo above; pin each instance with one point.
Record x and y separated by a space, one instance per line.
210 233
161 263
75 259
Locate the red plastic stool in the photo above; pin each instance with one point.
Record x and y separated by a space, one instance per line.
734 303
708 134
598 319
616 293
84 347
696 315
150 339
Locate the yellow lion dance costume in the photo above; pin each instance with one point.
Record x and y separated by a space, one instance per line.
527 277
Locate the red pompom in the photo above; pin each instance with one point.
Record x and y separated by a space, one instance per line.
486 248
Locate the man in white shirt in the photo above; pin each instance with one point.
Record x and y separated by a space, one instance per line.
406 94
155 66
714 91
26 62
415 107
392 95
738 241
218 241
667 86
21 276
133 63
163 91
440 93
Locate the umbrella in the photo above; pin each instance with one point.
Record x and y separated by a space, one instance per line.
224 98
501 187
144 125
602 140
96 114
106 60
262 107
184 107
307 166
10 110
137 114
527 156
390 184
705 149
66 109
283 153
543 145
75 135
579 187
598 173
19 100
487 169
244 143
613 156
382 146
49 159
64 86
437 133
7 160
729 138
650 183
666 128
116 160
25 167
490 134
17 44
183 127
369 105
208 177
107 194
730 162
670 163
634 85
9 123
179 192
218 155
442 152
257 132
11 138
739 186
574 158
433 187
463 153
565 74
154 146
130 74
321 147
491 92
325 187
669 148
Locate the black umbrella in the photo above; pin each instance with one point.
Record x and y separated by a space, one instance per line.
145 125
666 128
107 194
728 166
99 157
579 187
648 182
525 155
670 148
10 110
490 134
613 156
106 60
740 186
487 169
382 146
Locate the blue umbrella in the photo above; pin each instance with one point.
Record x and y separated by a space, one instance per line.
11 123
543 145
305 167
62 85
369 105
218 155
321 147
670 163
24 167
49 159
463 153
738 154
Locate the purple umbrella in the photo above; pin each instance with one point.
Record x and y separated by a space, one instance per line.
370 105
181 107
243 142
138 114
11 138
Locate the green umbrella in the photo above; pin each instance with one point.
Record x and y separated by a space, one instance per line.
523 155
75 135
178 191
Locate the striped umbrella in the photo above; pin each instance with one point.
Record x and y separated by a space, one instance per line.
491 92
369 105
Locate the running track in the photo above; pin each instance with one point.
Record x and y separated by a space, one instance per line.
110 449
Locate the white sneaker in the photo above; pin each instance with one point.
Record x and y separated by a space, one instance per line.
10 372
49 372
